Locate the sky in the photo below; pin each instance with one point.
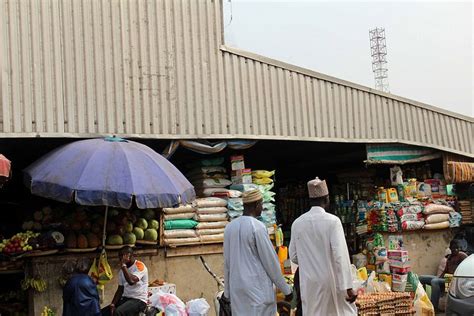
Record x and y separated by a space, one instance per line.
429 43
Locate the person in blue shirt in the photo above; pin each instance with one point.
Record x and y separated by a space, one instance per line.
80 296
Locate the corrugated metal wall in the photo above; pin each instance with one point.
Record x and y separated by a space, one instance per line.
153 68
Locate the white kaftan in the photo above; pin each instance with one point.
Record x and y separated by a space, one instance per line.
319 248
251 268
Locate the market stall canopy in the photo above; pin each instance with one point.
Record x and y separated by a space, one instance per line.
108 172
399 154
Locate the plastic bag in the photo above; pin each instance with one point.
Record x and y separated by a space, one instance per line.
169 303
357 282
198 307
380 254
100 270
422 303
262 181
211 202
263 173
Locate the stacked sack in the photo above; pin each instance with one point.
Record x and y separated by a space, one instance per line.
437 216
263 180
209 178
179 225
392 219
211 215
377 216
411 216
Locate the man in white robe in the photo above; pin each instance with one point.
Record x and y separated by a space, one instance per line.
251 264
319 248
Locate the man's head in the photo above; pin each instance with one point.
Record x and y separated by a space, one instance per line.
318 193
320 201
253 203
83 265
455 247
126 255
69 267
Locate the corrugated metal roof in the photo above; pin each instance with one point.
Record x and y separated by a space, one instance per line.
156 69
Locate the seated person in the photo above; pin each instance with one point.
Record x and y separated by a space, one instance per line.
80 296
132 293
437 283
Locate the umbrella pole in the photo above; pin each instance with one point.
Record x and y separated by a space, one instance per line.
105 226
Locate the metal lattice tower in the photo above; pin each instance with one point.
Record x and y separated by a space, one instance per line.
378 51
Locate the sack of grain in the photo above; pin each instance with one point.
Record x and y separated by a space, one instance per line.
178 216
436 218
216 238
210 231
441 225
211 225
210 217
210 202
211 210
177 241
180 209
180 233
437 208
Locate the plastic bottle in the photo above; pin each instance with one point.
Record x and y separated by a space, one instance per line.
392 195
382 195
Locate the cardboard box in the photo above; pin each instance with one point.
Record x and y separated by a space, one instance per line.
399 264
398 255
237 162
242 176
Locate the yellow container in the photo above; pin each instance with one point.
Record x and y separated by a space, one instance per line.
282 256
411 188
392 195
382 195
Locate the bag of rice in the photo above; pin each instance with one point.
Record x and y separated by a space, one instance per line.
180 233
210 202
210 225
211 231
437 208
178 216
212 210
180 209
441 225
177 241
436 218
216 238
210 217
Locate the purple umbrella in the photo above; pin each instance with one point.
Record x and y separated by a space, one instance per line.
110 172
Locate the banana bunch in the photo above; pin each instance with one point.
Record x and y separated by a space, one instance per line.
38 284
47 312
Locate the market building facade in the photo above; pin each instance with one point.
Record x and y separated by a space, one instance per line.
159 71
